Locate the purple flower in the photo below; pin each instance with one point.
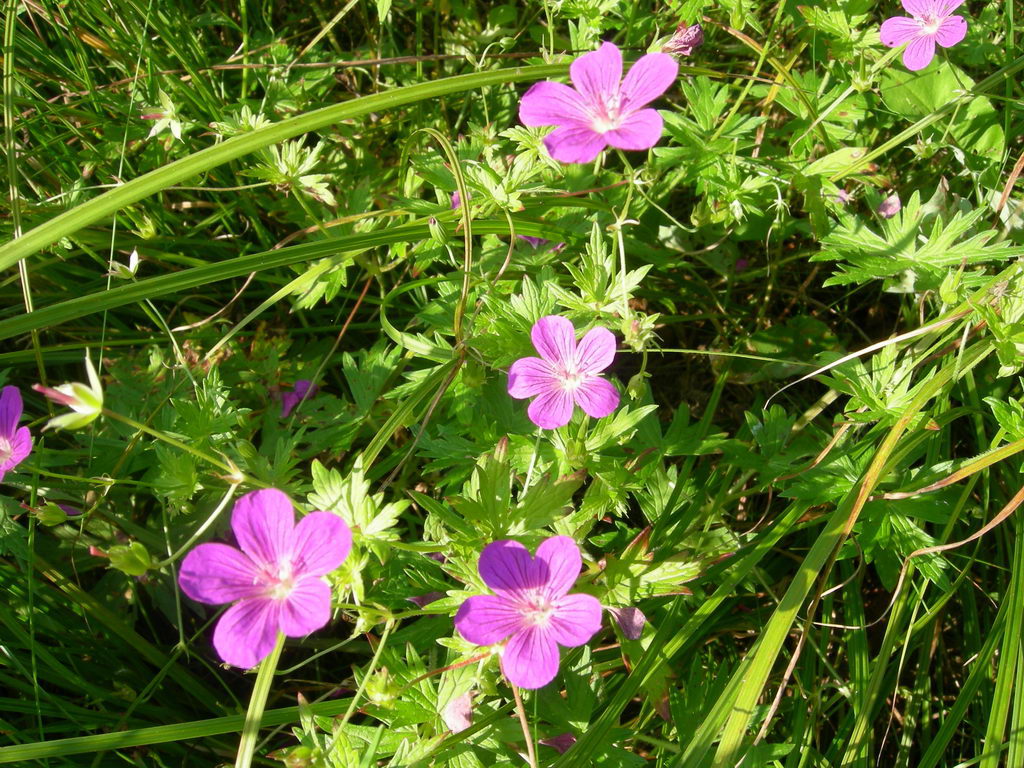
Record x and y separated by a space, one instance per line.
600 111
932 23
564 374
303 391
531 607
15 442
275 579
890 206
685 40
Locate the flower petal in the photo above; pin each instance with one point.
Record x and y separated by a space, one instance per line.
550 103
320 543
246 633
946 7
217 573
487 619
575 620
530 659
10 410
650 77
574 144
641 130
597 397
596 74
918 7
919 53
596 350
951 31
551 410
506 566
631 621
21 446
899 30
263 522
554 338
307 607
561 561
530 376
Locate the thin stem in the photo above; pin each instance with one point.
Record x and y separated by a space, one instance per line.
258 702
200 530
531 754
236 476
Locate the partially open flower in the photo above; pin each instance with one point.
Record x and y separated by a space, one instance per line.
85 401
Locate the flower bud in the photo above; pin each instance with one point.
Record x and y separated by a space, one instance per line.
85 401
685 40
890 206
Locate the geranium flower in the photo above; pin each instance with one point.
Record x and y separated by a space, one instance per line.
932 22
274 580
303 390
565 374
15 441
600 111
531 608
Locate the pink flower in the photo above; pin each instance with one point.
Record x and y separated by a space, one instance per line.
15 441
932 23
630 620
274 580
565 374
531 607
600 111
458 714
303 391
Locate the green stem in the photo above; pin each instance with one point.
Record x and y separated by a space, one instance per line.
530 751
258 702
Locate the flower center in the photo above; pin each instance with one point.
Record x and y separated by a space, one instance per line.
930 24
6 449
536 610
571 378
279 585
605 116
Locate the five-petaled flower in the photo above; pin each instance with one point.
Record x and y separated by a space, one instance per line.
274 580
564 374
932 22
600 111
531 608
15 441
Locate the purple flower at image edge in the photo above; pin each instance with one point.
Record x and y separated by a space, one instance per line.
274 580
15 441
304 389
930 22
531 608
565 374
600 111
